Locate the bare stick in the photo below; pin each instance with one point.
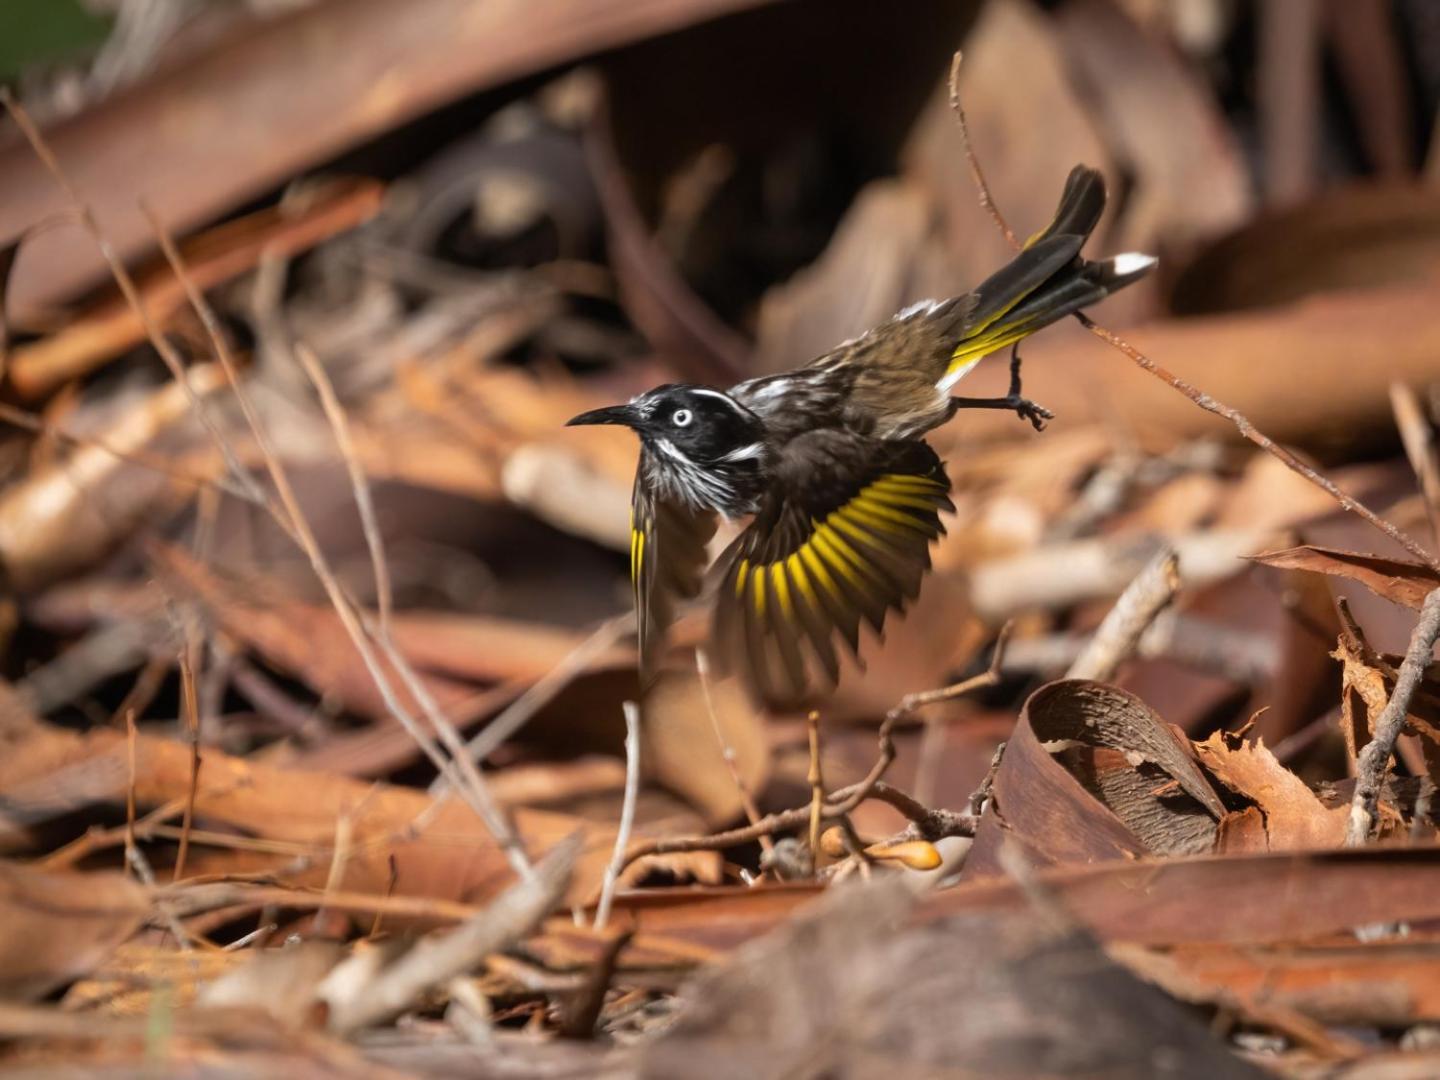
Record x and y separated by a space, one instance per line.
727 753
987 202
191 708
817 786
1201 399
931 824
294 523
543 691
1260 439
359 482
627 814
1418 437
1119 632
930 741
1374 759
437 958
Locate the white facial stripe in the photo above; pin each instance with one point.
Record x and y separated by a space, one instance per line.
726 398
745 453
670 450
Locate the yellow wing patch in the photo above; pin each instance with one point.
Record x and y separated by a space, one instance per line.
895 509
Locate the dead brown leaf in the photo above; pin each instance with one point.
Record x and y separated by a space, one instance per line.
58 925
436 849
1397 580
1294 817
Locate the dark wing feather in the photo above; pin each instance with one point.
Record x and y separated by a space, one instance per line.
667 562
843 538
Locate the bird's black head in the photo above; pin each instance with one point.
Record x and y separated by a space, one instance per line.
704 446
701 424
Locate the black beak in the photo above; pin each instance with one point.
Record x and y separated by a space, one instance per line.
615 414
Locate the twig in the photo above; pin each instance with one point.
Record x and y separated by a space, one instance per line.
1119 632
436 959
933 824
987 202
1236 653
291 519
134 858
1260 439
618 860
727 753
131 738
1203 400
816 780
359 483
1374 759
543 691
1418 437
930 740
191 709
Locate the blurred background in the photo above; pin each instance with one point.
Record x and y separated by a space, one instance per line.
478 219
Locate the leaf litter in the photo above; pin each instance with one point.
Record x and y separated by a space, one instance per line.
314 758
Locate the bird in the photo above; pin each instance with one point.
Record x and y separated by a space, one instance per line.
830 464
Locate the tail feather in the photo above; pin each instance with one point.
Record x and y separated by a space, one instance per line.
1046 281
1081 204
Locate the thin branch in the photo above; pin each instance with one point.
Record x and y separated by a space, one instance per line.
816 779
1201 399
543 691
618 861
1374 759
191 709
1260 439
727 752
933 823
1417 435
291 518
987 201
359 482
1119 632
912 703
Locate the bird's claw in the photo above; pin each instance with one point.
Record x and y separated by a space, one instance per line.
1036 413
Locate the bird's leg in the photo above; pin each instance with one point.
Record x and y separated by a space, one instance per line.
1023 407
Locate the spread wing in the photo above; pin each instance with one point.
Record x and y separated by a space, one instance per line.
844 536
667 562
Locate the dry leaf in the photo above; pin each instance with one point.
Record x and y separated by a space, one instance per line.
56 925
1396 580
1294 817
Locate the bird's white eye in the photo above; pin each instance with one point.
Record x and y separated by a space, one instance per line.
682 417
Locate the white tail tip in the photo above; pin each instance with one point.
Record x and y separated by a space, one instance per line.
1132 262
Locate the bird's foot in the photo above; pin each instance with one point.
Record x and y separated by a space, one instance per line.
1033 411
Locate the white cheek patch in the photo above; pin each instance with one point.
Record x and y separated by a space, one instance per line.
670 450
745 453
